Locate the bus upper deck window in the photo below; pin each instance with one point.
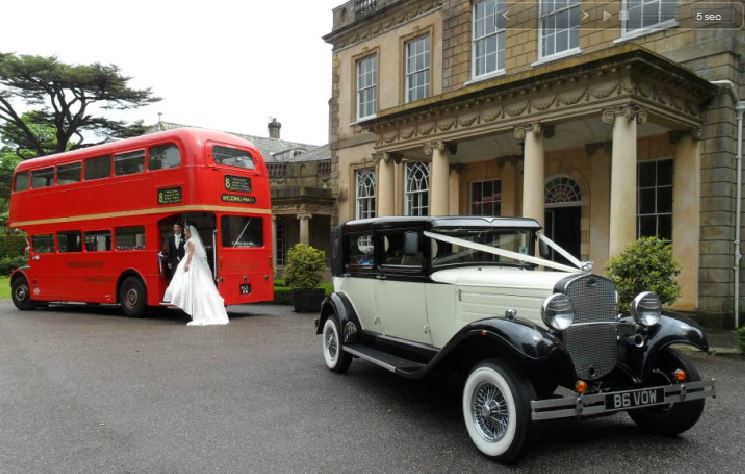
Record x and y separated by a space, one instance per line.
42 178
97 168
129 163
21 182
163 157
232 157
69 173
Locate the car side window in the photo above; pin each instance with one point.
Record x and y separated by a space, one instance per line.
360 255
394 256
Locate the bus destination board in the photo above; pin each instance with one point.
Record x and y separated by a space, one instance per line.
169 195
239 184
238 199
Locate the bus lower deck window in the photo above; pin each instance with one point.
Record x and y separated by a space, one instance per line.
130 238
42 243
69 241
99 241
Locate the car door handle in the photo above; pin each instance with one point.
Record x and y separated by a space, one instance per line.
381 277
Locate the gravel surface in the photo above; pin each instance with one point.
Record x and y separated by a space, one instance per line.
87 389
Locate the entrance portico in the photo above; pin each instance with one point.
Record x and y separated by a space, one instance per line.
496 148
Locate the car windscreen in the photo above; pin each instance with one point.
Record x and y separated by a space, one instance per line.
448 254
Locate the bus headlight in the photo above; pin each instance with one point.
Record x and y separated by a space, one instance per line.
557 312
646 309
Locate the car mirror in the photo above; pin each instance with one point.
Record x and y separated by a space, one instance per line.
411 243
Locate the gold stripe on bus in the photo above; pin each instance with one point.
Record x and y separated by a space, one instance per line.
137 212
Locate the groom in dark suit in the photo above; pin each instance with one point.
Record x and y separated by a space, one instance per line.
175 247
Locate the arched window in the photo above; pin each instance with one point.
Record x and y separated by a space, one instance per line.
365 194
417 188
562 190
280 241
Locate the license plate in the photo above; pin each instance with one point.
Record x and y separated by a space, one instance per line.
245 289
634 398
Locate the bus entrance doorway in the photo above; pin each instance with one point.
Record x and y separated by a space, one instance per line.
206 225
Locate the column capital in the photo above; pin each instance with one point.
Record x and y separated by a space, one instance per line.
536 128
674 136
429 147
629 112
304 216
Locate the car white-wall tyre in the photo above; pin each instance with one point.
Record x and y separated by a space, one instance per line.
496 410
336 359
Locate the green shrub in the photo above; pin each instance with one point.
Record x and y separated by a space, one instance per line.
645 265
741 338
12 243
304 266
9 264
282 295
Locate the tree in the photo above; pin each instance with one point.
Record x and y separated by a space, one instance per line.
63 97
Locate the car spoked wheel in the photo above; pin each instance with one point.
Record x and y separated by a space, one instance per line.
496 410
336 359
490 412
674 418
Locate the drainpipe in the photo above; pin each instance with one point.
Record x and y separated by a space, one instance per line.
739 108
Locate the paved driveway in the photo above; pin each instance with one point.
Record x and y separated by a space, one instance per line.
86 389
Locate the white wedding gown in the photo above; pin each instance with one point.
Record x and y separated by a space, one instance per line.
195 293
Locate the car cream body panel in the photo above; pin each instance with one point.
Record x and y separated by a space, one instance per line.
361 293
401 310
481 292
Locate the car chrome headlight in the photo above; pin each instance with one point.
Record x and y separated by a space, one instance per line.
557 312
646 309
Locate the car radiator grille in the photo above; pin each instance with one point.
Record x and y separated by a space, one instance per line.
591 340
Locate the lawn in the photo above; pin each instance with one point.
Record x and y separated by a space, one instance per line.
4 288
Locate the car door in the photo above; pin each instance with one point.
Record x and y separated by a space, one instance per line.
359 279
400 287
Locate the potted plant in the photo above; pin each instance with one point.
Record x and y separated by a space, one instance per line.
303 275
646 264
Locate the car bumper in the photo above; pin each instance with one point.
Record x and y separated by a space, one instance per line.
600 403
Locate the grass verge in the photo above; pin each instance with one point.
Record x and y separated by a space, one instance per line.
4 288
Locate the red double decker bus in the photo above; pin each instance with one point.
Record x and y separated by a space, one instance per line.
98 219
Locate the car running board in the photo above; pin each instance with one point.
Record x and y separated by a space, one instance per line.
395 364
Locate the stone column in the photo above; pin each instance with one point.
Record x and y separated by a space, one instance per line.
455 170
439 180
509 183
274 240
385 192
686 206
304 219
623 176
533 194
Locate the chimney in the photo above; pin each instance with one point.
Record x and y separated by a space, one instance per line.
274 127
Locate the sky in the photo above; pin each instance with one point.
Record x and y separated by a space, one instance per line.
227 65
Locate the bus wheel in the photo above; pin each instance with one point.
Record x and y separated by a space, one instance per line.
21 294
133 297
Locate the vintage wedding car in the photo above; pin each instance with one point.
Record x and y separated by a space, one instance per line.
532 338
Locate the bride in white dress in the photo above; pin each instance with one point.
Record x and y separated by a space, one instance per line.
192 288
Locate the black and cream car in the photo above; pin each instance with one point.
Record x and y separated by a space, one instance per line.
532 338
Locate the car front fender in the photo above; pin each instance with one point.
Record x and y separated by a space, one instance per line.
672 329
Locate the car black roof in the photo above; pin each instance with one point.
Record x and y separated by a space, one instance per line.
442 221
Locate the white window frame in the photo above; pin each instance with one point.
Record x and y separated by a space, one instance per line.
542 57
364 199
373 87
656 187
481 182
499 8
627 34
279 242
410 196
427 69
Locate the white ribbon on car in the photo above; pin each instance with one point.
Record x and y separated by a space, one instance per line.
501 252
584 266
